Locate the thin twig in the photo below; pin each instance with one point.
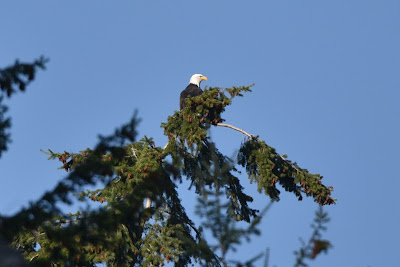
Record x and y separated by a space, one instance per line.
285 160
35 256
236 129
166 145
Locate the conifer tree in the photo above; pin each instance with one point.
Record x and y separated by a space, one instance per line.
122 232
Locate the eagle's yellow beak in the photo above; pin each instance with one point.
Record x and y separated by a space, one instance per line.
204 78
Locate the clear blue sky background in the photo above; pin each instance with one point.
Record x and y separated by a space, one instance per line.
326 93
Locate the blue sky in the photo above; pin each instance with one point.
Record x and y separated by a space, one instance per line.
326 93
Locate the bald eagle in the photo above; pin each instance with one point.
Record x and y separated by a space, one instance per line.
193 89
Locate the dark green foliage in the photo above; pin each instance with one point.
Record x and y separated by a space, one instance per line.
5 124
267 168
19 75
202 169
227 235
120 231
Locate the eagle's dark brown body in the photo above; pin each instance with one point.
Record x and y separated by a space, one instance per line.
190 91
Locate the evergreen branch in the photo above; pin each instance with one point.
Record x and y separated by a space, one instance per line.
189 223
251 137
88 168
12 79
314 245
20 74
5 124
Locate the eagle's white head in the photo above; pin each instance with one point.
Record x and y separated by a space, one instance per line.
197 78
